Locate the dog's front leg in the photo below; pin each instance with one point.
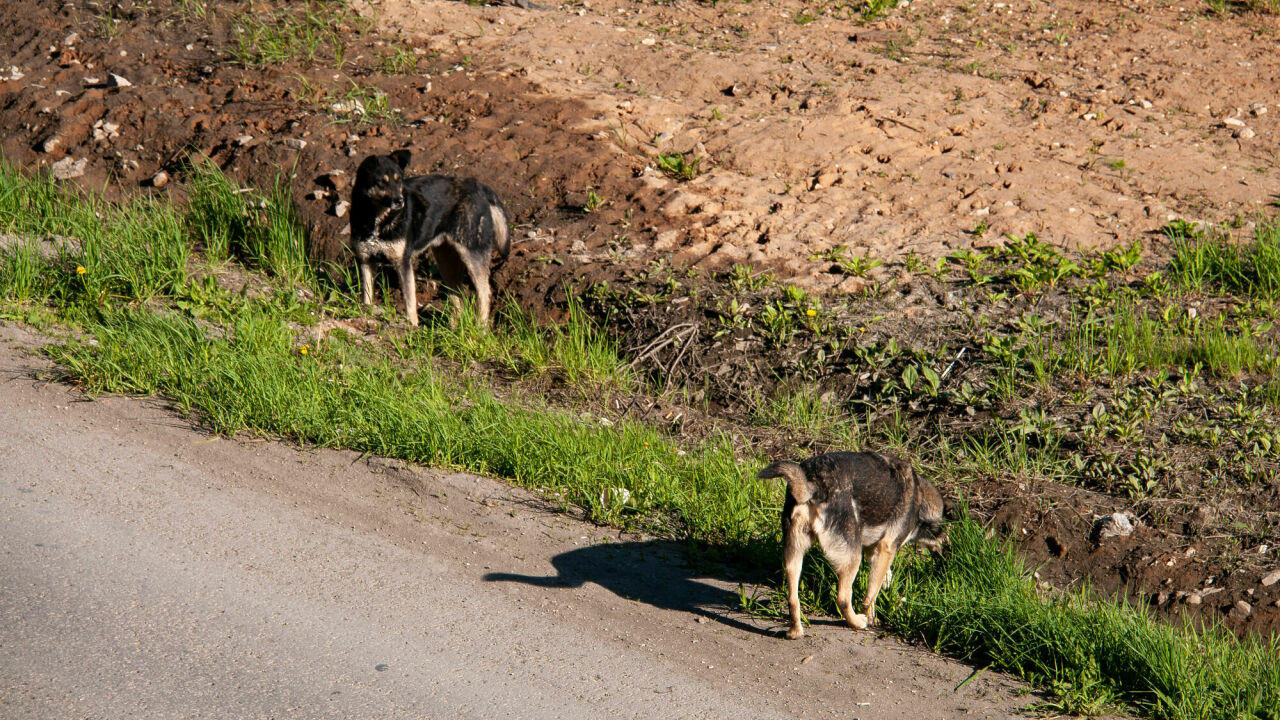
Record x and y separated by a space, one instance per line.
409 286
366 281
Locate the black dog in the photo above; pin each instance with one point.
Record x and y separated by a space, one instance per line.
460 220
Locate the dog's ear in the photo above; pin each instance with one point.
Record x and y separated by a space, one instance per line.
401 157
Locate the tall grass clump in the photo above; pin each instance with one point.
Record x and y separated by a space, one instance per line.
20 265
260 230
1212 262
978 601
302 32
1127 338
77 248
582 353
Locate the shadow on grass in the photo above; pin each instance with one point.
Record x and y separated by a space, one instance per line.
653 572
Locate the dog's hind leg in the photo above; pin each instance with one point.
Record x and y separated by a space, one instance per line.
881 559
478 271
453 276
846 564
798 541
366 282
409 287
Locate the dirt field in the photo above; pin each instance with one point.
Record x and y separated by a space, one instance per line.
941 126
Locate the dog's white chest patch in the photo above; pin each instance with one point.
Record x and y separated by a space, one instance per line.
392 250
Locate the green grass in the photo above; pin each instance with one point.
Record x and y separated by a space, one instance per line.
246 364
979 602
1127 338
576 350
679 167
303 32
875 9
260 230
1211 262
137 250
257 379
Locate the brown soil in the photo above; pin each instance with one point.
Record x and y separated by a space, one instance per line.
1089 124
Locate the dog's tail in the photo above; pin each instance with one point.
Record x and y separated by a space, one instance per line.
797 482
501 229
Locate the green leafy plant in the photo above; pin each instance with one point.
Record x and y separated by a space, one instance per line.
678 166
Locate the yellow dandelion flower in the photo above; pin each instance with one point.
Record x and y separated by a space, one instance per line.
80 270
810 312
304 349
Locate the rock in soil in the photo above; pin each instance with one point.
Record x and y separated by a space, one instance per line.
67 168
1240 611
1113 525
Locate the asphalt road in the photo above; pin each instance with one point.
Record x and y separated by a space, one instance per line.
149 570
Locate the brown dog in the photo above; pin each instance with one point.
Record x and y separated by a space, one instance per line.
850 501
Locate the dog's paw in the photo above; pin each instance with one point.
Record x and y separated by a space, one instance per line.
795 633
858 621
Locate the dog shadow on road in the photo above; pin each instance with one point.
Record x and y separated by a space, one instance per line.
653 572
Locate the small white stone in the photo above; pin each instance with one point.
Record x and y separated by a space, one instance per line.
244 140
1113 525
114 80
295 143
66 168
1271 578
1233 122
160 179
1245 133
341 208
348 107
648 41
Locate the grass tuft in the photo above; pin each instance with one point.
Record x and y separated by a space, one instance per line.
303 32
262 231
1211 262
